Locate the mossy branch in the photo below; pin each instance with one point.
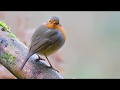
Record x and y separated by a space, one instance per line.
12 54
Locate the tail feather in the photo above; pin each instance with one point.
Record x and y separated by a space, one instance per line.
26 59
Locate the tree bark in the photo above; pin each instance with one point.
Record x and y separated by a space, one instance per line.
12 55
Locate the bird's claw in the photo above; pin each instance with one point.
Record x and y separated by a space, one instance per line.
39 58
53 68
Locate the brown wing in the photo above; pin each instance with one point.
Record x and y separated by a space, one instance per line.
40 43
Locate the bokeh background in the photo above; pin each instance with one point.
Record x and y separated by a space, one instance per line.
92 48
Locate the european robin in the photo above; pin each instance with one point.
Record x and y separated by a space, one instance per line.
47 39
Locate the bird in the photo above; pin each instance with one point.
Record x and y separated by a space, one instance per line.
47 39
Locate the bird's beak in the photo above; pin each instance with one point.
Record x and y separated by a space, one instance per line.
54 22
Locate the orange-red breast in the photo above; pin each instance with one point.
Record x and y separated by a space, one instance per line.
47 39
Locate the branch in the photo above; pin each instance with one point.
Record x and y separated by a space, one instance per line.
12 55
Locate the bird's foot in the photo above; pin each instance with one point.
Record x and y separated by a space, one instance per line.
39 58
53 68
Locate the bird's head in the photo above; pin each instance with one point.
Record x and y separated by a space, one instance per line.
53 22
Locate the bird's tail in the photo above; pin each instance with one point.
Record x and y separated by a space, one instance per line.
26 59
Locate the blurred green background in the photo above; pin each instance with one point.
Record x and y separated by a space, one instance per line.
92 48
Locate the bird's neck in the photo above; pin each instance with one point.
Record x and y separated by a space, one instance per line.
58 27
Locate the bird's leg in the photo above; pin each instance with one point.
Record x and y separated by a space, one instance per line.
50 64
39 58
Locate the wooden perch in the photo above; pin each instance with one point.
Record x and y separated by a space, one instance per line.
12 54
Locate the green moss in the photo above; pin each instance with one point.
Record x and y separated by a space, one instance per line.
4 27
12 35
10 58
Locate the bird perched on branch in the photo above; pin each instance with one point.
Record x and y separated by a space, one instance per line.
47 39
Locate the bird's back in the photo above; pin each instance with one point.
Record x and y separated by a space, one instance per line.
50 40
